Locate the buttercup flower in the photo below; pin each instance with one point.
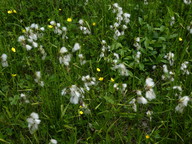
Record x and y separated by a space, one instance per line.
50 26
13 75
98 69
80 112
101 79
180 39
147 136
13 49
112 80
69 19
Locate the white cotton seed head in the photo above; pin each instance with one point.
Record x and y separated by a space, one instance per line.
58 24
138 55
37 121
67 59
141 100
74 99
38 74
34 115
52 22
35 44
184 100
187 2
81 22
150 94
21 39
64 29
177 87
149 82
33 36
124 85
165 70
63 50
4 57
76 47
42 29
28 47
116 5
126 15
179 108
139 93
23 95
53 141
5 64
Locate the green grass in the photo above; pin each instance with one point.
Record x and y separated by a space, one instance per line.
109 116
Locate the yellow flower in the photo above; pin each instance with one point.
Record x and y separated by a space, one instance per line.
147 136
23 30
13 49
80 112
50 26
112 80
98 69
94 24
60 9
101 79
14 11
69 19
180 39
9 11
13 75
80 106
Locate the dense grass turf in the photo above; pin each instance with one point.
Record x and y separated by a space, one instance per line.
126 84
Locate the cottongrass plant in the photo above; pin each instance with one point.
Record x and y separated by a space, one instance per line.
4 61
33 122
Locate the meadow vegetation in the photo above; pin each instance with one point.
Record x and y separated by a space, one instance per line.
95 71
